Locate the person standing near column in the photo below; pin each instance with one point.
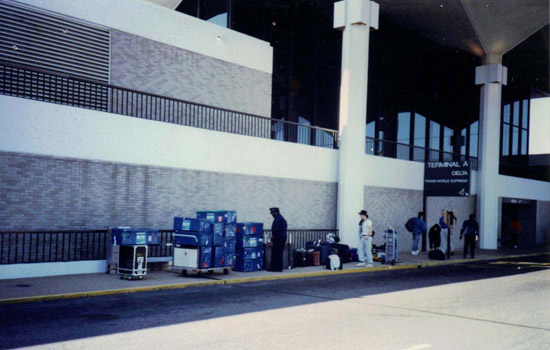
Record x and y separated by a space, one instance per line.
418 230
365 240
470 231
278 232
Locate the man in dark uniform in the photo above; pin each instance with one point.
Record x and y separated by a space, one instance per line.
470 231
278 231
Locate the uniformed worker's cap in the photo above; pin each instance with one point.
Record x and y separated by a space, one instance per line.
273 210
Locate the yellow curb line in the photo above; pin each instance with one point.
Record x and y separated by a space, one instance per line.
250 279
41 298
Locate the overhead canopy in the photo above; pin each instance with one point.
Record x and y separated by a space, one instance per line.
477 26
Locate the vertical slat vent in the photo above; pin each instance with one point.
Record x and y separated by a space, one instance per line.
38 38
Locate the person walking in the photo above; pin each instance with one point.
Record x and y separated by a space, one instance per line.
419 228
365 240
278 233
470 231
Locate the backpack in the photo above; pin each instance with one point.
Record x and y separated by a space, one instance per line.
410 225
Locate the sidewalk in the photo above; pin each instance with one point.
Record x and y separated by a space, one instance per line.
79 286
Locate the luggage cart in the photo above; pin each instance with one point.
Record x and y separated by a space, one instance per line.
189 256
132 261
391 245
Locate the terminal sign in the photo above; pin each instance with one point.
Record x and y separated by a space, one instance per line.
447 179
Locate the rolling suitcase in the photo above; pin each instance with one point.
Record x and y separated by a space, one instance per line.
343 252
299 258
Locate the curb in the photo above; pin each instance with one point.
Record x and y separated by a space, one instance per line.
42 298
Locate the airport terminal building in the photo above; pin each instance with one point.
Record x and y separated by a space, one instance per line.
131 112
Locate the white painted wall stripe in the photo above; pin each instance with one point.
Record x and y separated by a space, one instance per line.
167 26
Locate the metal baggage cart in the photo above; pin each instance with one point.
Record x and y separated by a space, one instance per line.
187 258
391 245
132 261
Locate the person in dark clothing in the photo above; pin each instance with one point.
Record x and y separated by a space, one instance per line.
418 230
470 231
434 236
278 232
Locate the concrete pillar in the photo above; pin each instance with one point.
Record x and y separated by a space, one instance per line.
491 77
356 18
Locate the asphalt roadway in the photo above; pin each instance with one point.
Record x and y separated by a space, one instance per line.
501 304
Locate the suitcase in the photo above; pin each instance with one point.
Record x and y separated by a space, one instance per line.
316 258
324 250
299 258
309 258
327 265
343 252
353 255
436 254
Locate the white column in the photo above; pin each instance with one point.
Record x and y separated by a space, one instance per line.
356 18
491 77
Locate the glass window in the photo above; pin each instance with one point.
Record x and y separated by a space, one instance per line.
525 114
447 136
404 127
214 11
473 138
515 140
419 130
539 115
506 113
434 135
370 129
516 113
524 142
463 146
505 139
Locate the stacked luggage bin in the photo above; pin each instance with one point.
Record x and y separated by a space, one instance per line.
205 243
130 248
250 247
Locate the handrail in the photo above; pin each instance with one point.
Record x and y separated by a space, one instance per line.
96 82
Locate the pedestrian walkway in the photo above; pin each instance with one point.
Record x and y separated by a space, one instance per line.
86 285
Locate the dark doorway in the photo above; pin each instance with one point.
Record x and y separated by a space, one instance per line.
519 223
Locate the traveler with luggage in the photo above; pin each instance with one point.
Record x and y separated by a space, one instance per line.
365 240
417 227
470 231
278 232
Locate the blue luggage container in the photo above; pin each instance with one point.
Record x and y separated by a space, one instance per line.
250 241
230 230
218 257
229 244
250 228
248 265
193 239
223 216
205 259
250 253
217 233
191 224
230 259
134 236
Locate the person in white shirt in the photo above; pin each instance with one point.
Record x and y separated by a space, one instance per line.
365 240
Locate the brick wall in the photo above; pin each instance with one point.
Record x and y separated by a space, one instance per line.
146 65
391 207
39 192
